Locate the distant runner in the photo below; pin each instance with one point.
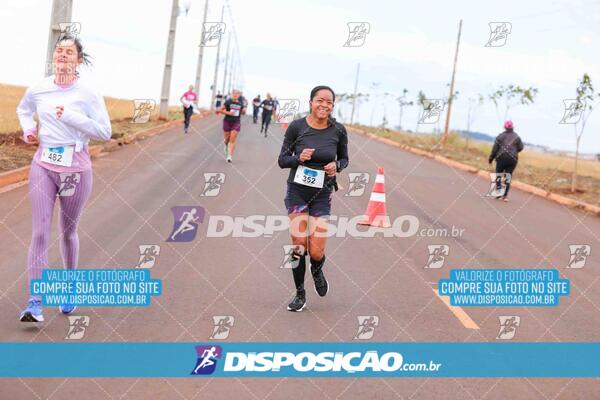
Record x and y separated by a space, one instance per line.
268 106
244 103
233 109
506 151
255 108
219 98
188 99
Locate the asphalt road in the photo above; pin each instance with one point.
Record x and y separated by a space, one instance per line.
136 187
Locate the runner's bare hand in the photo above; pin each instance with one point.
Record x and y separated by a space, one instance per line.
306 154
330 169
32 139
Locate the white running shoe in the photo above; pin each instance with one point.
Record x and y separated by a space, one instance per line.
33 312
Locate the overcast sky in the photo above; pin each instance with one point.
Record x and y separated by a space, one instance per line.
287 47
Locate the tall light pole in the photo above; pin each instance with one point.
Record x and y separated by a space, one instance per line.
451 95
166 83
226 63
354 97
201 52
232 73
216 75
62 11
374 85
235 65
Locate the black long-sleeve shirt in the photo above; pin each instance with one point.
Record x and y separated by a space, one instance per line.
508 142
330 144
267 106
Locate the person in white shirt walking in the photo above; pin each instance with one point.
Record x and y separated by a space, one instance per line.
69 114
189 100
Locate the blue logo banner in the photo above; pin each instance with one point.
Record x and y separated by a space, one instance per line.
311 359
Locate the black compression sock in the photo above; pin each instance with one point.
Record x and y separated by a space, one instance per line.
299 272
498 183
314 264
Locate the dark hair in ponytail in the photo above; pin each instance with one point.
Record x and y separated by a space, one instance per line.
81 54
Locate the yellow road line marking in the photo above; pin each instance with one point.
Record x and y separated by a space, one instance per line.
462 316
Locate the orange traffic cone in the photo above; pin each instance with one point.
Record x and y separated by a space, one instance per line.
376 214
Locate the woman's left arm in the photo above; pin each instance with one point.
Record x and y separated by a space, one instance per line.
342 150
96 124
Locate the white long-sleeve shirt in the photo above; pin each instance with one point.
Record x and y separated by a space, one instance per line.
84 115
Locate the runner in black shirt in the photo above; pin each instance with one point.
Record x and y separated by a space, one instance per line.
219 98
268 106
255 108
233 108
315 148
506 151
244 102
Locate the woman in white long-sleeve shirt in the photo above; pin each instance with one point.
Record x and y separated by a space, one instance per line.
69 114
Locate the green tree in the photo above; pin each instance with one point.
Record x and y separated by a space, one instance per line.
403 102
374 87
421 97
340 100
511 96
583 105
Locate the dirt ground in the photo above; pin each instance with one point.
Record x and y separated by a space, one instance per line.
547 171
14 153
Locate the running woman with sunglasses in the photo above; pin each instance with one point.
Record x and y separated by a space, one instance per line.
315 148
70 114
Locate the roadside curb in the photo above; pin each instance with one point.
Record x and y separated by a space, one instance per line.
595 210
19 175
16 175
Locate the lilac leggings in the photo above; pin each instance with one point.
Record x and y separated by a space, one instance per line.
73 189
